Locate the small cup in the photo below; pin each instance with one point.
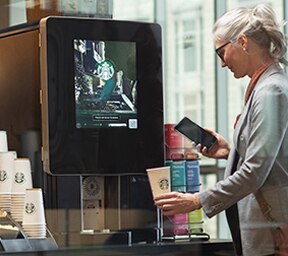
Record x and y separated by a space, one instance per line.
3 141
159 179
34 212
22 177
6 171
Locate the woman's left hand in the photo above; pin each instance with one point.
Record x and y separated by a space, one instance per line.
175 202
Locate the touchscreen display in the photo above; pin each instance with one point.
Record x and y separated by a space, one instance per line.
101 96
105 84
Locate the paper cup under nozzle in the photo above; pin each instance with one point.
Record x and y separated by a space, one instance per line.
159 179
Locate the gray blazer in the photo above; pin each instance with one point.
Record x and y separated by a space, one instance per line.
261 139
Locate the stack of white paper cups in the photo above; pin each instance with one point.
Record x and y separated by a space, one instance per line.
22 180
3 141
6 176
34 223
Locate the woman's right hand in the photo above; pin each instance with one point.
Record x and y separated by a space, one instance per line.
220 149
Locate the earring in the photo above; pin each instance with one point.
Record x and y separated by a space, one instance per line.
244 49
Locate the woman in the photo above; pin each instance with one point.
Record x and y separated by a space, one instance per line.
250 43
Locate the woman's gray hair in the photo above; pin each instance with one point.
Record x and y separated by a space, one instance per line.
258 23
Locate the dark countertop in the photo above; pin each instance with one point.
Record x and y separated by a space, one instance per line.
181 248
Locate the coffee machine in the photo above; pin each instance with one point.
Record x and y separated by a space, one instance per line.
93 178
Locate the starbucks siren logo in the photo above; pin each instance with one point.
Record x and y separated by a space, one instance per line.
19 178
30 208
3 176
164 184
105 70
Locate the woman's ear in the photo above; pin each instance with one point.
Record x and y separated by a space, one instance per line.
243 42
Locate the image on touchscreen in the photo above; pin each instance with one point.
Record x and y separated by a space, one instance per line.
105 84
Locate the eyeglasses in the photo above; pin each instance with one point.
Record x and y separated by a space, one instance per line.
219 52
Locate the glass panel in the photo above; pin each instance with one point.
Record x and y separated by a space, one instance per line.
188 58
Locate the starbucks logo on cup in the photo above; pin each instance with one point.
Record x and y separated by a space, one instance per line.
3 176
30 208
164 184
19 178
